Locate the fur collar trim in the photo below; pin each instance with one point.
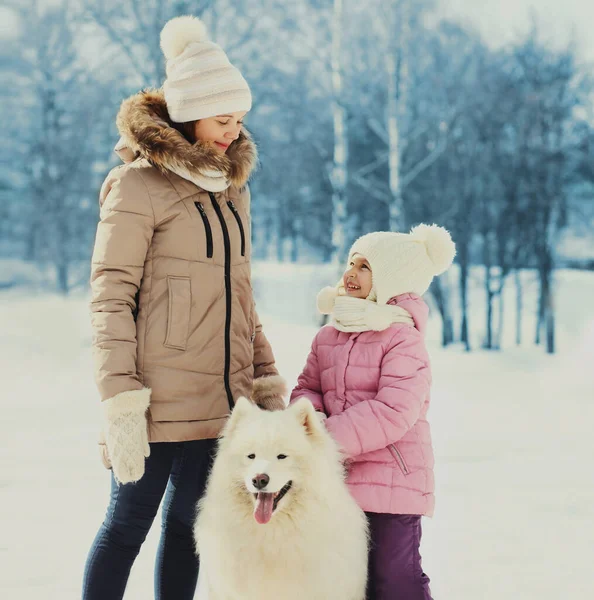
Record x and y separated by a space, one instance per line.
144 123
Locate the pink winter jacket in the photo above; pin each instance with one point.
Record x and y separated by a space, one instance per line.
374 387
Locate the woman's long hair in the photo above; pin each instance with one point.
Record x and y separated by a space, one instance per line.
187 130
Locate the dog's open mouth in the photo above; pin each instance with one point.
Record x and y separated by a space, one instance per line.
266 503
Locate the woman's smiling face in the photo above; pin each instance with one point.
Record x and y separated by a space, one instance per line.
220 131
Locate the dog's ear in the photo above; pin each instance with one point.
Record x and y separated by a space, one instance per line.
305 413
242 407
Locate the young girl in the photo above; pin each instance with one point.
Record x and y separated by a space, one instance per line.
176 335
368 375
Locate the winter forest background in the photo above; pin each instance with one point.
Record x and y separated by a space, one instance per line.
368 115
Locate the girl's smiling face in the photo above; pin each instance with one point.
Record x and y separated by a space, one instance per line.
220 131
357 278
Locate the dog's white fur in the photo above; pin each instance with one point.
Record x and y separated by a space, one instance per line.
315 545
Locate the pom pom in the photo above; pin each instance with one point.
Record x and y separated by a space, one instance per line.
179 32
326 299
438 242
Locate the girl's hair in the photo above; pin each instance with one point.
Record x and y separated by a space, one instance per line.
187 130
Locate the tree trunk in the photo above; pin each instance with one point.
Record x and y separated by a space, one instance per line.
518 282
442 301
339 168
539 315
548 315
397 88
464 336
294 245
447 337
550 325
394 143
62 277
501 311
488 345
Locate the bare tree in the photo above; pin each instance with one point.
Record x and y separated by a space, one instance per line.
397 88
134 26
443 187
339 118
552 95
58 171
397 24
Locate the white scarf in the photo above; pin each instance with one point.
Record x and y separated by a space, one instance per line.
356 314
211 181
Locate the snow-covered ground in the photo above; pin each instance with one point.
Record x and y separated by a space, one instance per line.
512 433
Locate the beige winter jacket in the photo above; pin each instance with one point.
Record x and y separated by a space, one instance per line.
172 304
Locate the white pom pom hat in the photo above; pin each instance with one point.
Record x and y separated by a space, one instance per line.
400 263
201 82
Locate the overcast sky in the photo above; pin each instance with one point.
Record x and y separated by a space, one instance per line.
501 21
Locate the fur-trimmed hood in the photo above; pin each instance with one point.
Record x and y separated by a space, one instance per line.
146 130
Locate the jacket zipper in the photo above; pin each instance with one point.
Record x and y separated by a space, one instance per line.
348 358
234 210
227 243
136 305
396 454
207 228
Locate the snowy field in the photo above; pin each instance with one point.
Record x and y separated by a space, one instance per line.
512 432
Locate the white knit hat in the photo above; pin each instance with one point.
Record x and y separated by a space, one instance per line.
400 262
201 82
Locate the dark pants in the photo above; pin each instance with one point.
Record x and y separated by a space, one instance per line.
395 571
181 468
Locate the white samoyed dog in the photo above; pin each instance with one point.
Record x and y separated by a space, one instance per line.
277 520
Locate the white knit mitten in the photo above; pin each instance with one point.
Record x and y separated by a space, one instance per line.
126 433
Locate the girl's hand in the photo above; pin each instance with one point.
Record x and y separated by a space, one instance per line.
322 416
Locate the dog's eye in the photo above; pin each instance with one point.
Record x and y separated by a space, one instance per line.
251 456
281 456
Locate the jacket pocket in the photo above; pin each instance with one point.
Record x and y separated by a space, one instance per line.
178 318
235 212
399 458
207 228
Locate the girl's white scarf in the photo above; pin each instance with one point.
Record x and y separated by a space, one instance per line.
355 314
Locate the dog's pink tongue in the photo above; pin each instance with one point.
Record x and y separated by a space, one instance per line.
264 507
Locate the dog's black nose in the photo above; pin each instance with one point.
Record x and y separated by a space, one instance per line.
260 481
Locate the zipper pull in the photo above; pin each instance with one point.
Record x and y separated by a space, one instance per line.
237 216
200 207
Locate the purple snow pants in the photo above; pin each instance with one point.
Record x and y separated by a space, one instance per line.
395 571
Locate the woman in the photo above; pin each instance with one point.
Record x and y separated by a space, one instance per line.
176 335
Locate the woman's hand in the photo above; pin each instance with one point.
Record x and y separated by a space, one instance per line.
126 434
